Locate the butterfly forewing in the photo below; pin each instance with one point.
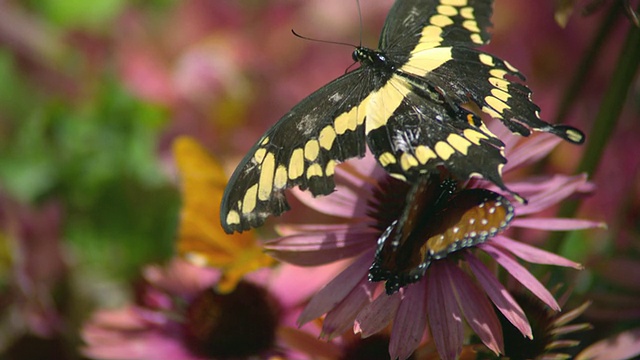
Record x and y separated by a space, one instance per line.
302 149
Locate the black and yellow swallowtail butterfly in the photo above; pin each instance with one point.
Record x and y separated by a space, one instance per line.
437 219
405 102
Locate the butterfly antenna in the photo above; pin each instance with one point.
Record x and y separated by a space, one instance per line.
360 19
321 41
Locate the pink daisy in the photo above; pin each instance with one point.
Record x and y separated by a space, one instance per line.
178 315
435 305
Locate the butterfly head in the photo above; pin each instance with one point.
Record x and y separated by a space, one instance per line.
371 58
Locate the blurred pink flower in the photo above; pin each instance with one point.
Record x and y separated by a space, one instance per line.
31 240
178 315
351 298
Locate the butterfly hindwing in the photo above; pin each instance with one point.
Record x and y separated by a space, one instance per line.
436 221
487 83
422 136
302 149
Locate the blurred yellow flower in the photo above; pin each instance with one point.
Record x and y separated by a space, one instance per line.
201 238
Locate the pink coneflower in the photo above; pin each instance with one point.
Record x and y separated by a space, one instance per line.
435 305
179 315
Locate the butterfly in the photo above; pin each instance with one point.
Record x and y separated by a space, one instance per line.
406 103
437 220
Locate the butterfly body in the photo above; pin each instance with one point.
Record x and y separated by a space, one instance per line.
437 221
405 103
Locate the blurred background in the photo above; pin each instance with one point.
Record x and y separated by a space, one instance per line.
93 93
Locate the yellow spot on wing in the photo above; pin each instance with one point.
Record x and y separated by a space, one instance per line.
233 218
447 10
459 143
422 62
500 94
311 150
331 167
280 179
430 38
494 114
499 83
476 38
407 161
398 176
265 184
458 3
574 136
499 73
496 104
486 59
385 101
314 170
249 200
474 136
471 25
386 159
424 154
259 155
351 119
440 20
444 150
467 12
265 141
327 136
296 164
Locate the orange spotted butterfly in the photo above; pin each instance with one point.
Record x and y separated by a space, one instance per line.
437 220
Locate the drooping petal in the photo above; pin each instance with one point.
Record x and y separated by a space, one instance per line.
336 290
556 224
499 296
377 315
317 248
341 317
341 203
521 274
476 309
410 323
553 192
532 254
530 151
625 345
445 317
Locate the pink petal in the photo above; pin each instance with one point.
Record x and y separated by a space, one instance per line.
344 202
297 229
410 323
625 345
335 291
377 315
499 296
294 285
341 318
532 254
445 317
530 151
556 224
554 191
521 274
322 247
477 309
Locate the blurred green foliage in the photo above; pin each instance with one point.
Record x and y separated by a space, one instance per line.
97 154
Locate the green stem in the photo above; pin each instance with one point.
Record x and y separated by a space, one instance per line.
607 117
586 64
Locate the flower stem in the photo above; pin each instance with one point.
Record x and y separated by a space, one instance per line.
607 117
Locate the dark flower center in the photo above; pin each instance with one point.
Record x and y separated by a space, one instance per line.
235 325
